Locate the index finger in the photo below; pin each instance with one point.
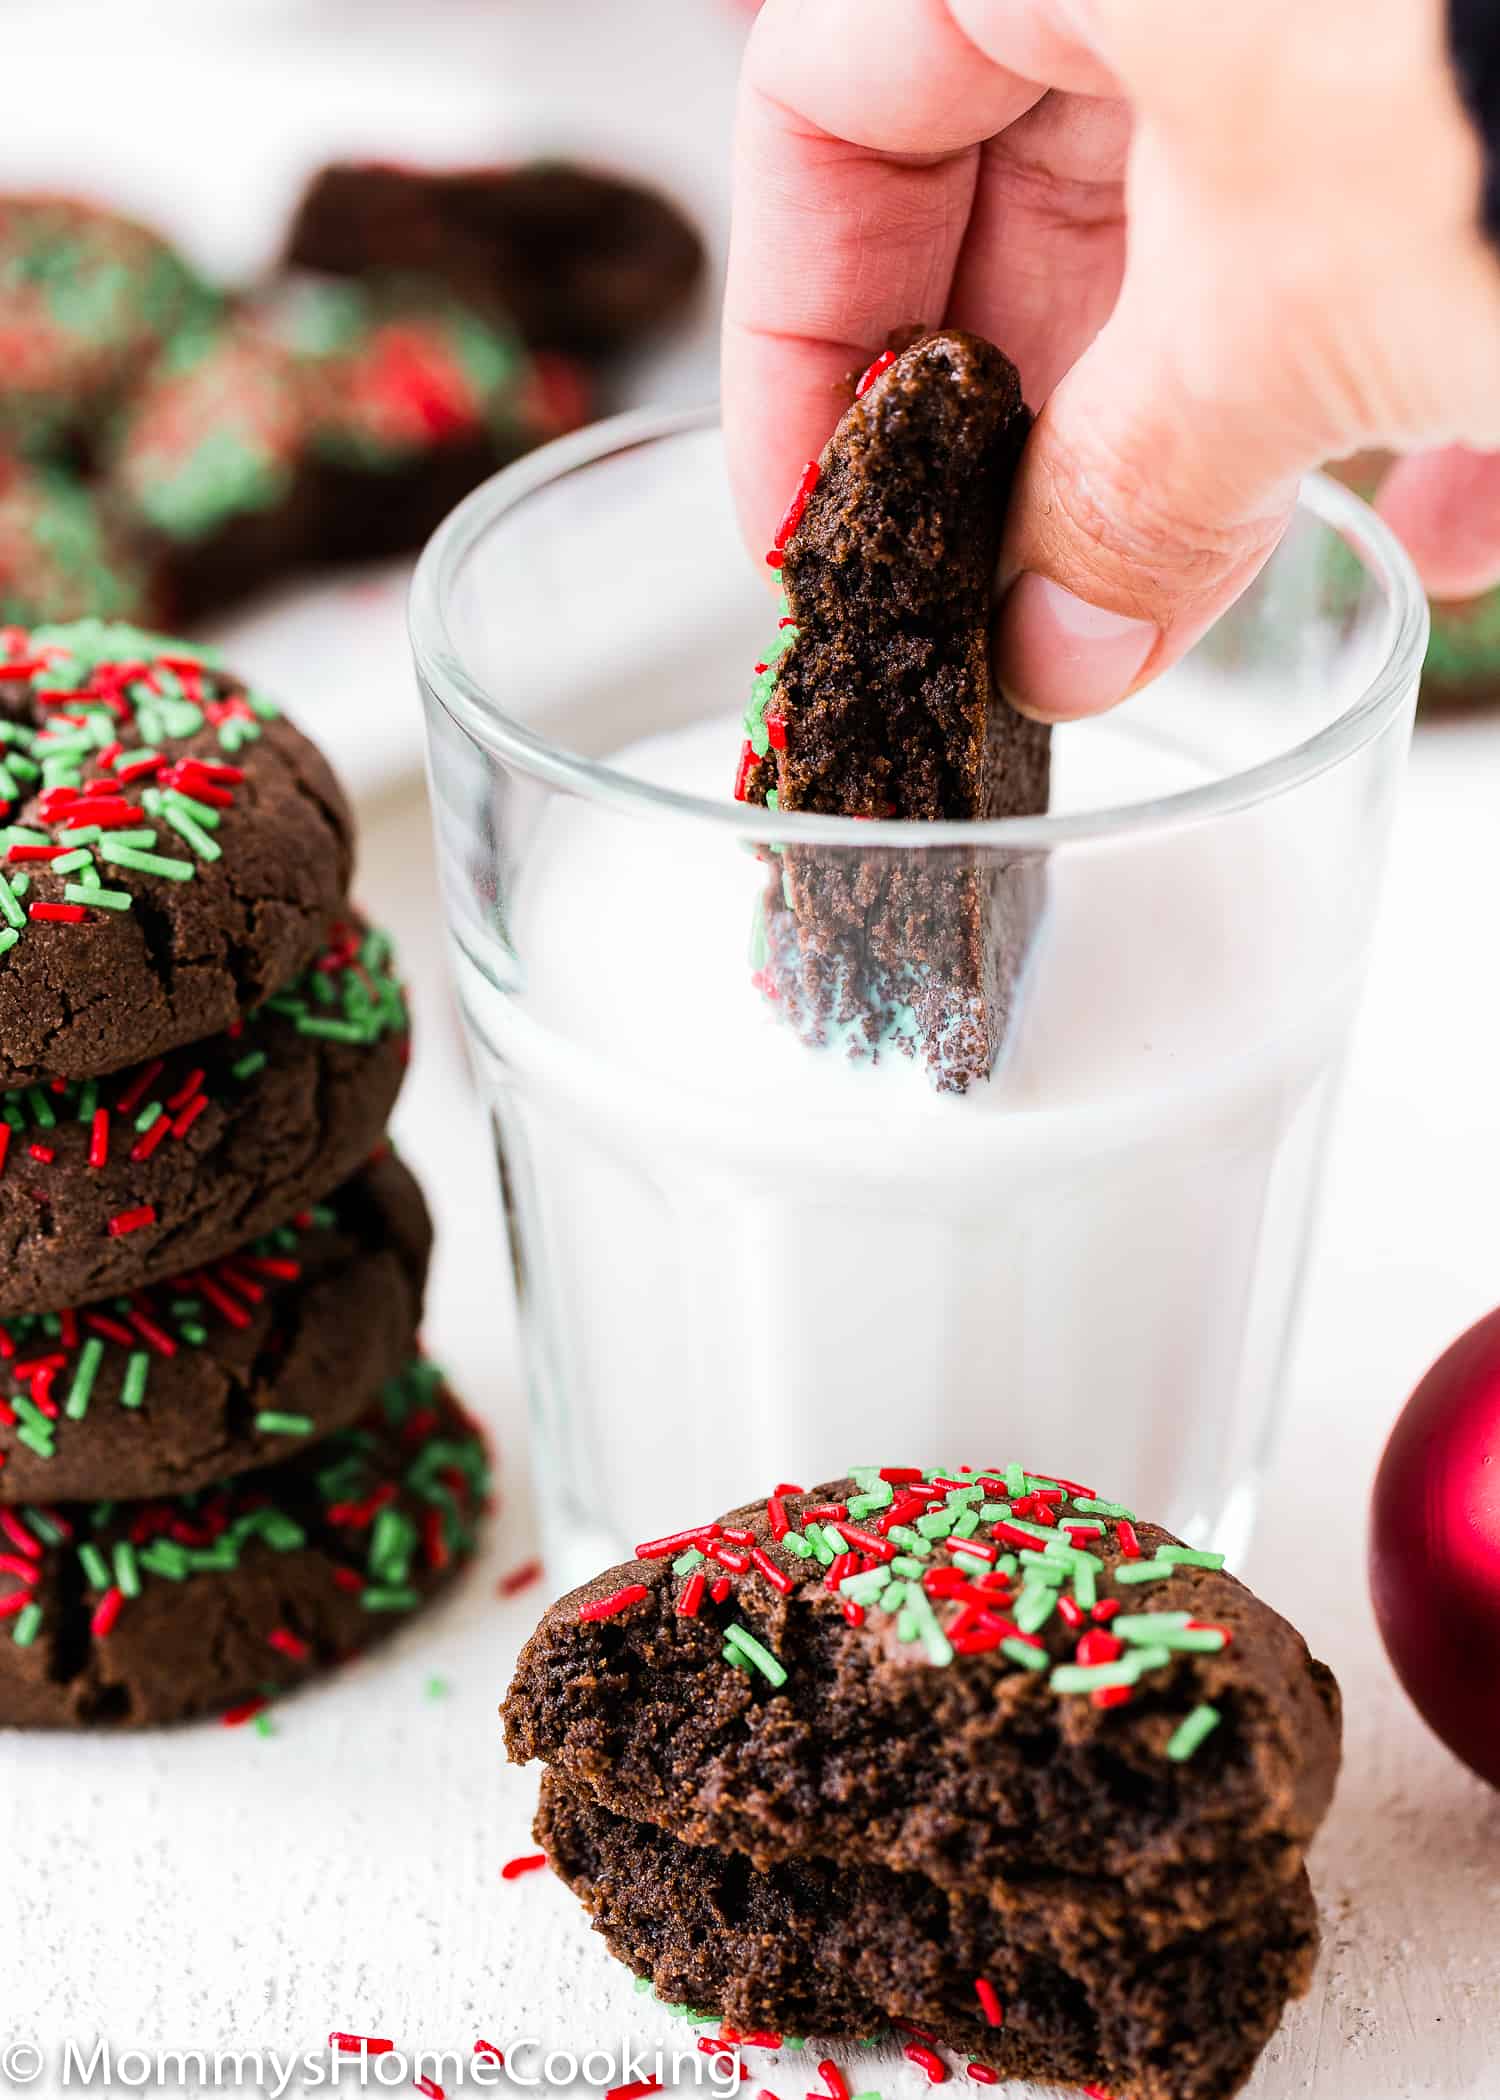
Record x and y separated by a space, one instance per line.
856 155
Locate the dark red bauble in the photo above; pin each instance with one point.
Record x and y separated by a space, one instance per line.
1435 1548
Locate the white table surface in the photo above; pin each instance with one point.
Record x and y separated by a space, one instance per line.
219 1889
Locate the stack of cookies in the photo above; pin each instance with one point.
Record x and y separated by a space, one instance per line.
223 1463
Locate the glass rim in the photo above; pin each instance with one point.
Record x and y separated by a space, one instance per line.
441 665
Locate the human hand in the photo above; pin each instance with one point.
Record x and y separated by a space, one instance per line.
1222 245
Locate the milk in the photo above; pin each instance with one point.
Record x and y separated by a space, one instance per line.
746 1261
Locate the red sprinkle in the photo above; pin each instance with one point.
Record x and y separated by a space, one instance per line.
58 914
866 1541
106 1612
148 1141
1130 1545
524 1863
927 2060
834 2079
729 1557
676 1542
132 1220
286 1642
982 2074
237 1716
429 2086
720 1590
484 2048
521 1578
636 2090
748 763
351 2044
99 1138
989 2001
777 1577
692 1594
35 852
128 1102
1108 1608
854 1613
776 731
781 1523
873 371
19 1536
1112 1695
789 1487
1097 1647
1070 1613
4 1142
42 1153
184 1120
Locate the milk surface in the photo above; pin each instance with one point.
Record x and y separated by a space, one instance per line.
745 1261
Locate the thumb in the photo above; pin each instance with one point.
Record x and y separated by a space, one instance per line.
1157 481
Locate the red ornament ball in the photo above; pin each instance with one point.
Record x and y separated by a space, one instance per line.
1435 1548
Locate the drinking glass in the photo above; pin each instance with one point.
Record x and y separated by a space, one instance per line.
758 1229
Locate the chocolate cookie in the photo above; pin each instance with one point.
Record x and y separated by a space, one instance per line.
174 851
130 1614
1071 1995
218 1141
224 1366
63 556
579 260
209 468
87 299
876 701
414 397
990 1681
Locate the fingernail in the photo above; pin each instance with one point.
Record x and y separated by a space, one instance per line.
1058 657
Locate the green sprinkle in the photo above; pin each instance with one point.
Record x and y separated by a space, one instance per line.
1090 1506
187 827
907 1564
929 1632
752 1650
89 1357
151 1113
1015 1482
252 1062
1188 1557
437 1688
270 1423
391 1599
46 1527
107 900
137 1370
95 1566
146 863
1144 1571
686 1562
37 1440
66 863
642 1985
1194 1732
127 1577
797 1546
1035 1607
263 1724
817 1539
8 904
1022 1652
130 838
334 1031
28 1625
1069 1678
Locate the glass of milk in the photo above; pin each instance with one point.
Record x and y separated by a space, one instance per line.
744 1256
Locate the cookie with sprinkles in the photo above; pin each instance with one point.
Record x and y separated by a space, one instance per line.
994 1681
211 1144
129 1614
87 300
209 469
63 556
415 396
222 1366
173 850
582 261
1055 1985
875 701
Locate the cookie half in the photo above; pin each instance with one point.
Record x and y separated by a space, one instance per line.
136 1613
1056 1985
228 1365
173 850
201 1150
875 701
